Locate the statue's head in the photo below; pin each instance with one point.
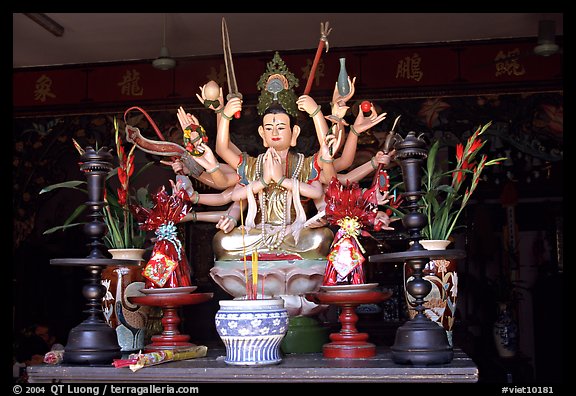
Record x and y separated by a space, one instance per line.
277 105
278 129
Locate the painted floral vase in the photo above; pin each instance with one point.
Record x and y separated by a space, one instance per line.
252 330
127 319
440 303
505 332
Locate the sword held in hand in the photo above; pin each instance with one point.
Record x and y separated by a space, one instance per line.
230 76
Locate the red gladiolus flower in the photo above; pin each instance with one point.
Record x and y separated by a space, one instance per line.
477 143
122 195
459 151
131 166
120 150
444 205
122 176
460 175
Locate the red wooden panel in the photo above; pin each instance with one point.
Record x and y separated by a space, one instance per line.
375 69
131 82
410 67
507 63
47 88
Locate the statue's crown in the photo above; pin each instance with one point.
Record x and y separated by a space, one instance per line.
277 85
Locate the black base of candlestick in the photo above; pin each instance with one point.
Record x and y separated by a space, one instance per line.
421 342
92 342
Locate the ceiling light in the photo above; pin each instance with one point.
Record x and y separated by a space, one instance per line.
546 38
164 62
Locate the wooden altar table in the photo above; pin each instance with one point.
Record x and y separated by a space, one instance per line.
312 367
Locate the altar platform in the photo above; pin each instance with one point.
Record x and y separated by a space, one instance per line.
312 367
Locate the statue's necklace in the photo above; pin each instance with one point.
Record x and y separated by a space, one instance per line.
264 198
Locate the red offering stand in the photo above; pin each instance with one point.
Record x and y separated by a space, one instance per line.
169 302
349 343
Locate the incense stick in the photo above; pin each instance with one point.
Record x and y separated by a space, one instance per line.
254 274
244 250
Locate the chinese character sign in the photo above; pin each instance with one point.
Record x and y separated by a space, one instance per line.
43 88
130 84
409 68
507 63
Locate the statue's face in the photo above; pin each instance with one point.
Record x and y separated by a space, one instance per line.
277 132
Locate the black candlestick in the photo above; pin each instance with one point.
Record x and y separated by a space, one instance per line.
419 341
93 341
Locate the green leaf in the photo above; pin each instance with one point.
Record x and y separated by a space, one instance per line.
431 161
75 214
142 169
69 184
62 227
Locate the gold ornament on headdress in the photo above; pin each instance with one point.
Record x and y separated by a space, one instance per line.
277 85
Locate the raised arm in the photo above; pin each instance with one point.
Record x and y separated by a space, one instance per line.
361 124
314 110
338 110
223 148
326 157
213 176
216 104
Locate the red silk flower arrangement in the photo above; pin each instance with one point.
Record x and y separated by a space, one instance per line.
351 209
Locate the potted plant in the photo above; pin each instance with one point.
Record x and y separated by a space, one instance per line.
123 229
124 240
442 204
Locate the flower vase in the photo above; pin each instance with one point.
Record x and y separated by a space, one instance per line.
343 84
127 319
440 303
505 332
252 330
